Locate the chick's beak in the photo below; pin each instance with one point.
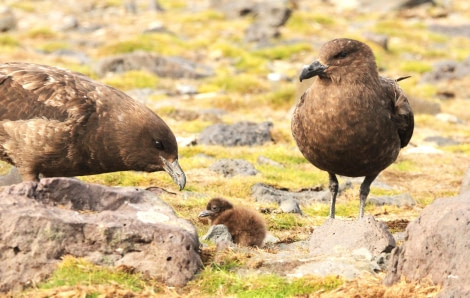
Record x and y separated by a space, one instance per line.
175 171
312 70
205 213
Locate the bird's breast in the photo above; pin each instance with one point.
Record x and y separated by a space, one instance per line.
347 138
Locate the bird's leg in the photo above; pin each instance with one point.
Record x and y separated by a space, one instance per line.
333 186
364 192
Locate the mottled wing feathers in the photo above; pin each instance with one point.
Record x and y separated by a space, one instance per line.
402 114
29 91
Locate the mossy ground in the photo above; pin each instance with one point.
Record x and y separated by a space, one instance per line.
241 87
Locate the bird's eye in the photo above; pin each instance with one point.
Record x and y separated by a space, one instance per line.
341 55
215 208
159 145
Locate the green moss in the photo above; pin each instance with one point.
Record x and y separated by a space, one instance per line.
307 23
8 41
415 66
462 148
281 98
132 79
404 166
26 6
241 83
41 33
54 46
213 281
161 43
72 271
283 52
206 16
241 58
4 168
284 221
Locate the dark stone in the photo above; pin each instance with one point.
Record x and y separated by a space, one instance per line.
441 141
7 19
233 167
269 194
397 200
238 134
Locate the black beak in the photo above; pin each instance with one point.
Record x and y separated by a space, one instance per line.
175 171
312 70
205 213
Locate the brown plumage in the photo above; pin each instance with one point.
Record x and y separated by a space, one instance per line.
55 122
246 226
351 121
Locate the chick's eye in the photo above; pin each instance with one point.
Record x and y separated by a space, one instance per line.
341 55
159 145
214 208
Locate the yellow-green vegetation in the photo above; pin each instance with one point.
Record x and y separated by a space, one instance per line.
72 271
8 41
220 282
54 46
41 33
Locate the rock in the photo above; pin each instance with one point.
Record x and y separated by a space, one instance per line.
422 150
355 248
367 6
396 200
441 141
447 70
76 56
444 117
337 236
268 16
451 30
186 89
290 206
271 239
170 67
269 194
69 22
11 178
42 221
238 134
263 160
233 167
218 233
437 245
7 19
380 39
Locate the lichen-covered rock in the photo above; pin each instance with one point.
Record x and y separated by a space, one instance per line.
437 245
233 167
42 221
238 134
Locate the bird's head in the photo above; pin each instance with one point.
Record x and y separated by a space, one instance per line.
215 207
339 58
148 144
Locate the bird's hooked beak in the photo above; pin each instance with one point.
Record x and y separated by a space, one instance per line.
312 70
205 213
175 171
